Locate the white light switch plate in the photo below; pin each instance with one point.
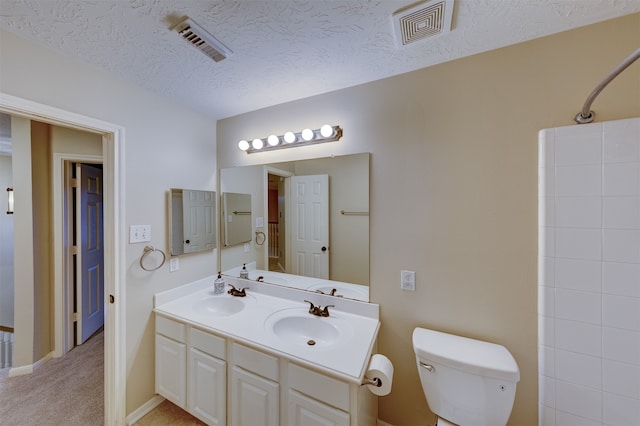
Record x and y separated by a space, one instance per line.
139 234
259 222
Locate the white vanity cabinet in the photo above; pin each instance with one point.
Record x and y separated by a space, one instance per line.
191 370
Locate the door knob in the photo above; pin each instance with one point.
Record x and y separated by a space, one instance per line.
324 249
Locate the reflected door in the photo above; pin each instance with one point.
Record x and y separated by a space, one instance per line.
198 220
310 225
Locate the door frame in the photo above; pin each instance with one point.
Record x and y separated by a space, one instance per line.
270 170
113 137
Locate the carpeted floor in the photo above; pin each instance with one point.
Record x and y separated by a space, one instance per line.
69 391
64 391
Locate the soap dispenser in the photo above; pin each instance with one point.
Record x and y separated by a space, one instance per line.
218 285
244 273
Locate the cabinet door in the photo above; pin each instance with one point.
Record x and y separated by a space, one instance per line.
171 370
309 412
206 394
254 400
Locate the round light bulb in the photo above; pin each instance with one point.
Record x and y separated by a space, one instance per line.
243 145
273 140
326 131
257 143
307 134
289 137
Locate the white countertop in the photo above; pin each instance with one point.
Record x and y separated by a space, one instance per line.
357 321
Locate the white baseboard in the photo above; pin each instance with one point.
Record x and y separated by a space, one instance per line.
28 369
144 409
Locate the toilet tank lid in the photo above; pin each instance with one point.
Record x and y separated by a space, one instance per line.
471 355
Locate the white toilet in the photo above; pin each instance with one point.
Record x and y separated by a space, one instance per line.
467 382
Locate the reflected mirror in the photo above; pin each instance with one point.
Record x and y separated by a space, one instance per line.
309 224
191 220
236 214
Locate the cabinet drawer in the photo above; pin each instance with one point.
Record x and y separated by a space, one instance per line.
208 343
172 329
327 389
255 361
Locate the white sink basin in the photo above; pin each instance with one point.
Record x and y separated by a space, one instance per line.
221 306
297 327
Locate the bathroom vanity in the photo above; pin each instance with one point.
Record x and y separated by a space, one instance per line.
264 359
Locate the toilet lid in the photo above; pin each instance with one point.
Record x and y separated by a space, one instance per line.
444 422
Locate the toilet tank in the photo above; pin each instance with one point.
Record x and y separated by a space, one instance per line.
466 381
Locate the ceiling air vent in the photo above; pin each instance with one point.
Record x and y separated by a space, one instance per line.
205 42
422 20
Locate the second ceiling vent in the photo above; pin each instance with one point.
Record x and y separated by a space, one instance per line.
200 38
426 19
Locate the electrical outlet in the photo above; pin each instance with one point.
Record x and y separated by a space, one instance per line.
139 233
174 264
408 280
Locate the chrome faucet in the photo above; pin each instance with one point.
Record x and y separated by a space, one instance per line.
237 293
318 311
333 292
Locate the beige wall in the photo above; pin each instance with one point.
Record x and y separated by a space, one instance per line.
454 186
165 145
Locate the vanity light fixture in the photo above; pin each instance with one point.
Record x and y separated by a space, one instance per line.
307 136
9 200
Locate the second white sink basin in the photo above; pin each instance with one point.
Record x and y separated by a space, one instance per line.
297 327
219 305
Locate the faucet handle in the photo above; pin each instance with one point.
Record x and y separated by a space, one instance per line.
325 311
311 307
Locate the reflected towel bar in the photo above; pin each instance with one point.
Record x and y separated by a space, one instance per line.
586 115
348 213
238 212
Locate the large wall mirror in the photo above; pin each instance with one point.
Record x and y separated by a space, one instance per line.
309 224
192 225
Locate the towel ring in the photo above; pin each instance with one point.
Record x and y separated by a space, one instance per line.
260 234
151 249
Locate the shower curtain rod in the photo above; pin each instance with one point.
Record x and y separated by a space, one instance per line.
586 115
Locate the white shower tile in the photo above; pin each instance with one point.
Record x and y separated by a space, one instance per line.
546 391
577 243
547 242
546 361
621 245
546 211
578 368
621 378
578 212
620 312
547 415
619 410
621 212
578 274
546 148
546 331
579 337
579 181
578 145
546 271
546 181
546 301
579 401
621 179
578 306
568 419
621 345
621 141
621 278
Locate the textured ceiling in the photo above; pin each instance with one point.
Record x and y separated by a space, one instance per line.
283 50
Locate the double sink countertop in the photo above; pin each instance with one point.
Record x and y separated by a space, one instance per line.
276 319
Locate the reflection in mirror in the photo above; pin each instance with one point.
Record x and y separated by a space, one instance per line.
236 213
191 220
319 243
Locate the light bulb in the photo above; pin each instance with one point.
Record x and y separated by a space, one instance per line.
243 145
307 134
289 137
326 131
273 140
257 143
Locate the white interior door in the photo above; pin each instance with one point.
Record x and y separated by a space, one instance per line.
198 212
310 225
90 241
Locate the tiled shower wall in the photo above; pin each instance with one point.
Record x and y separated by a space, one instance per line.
589 274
